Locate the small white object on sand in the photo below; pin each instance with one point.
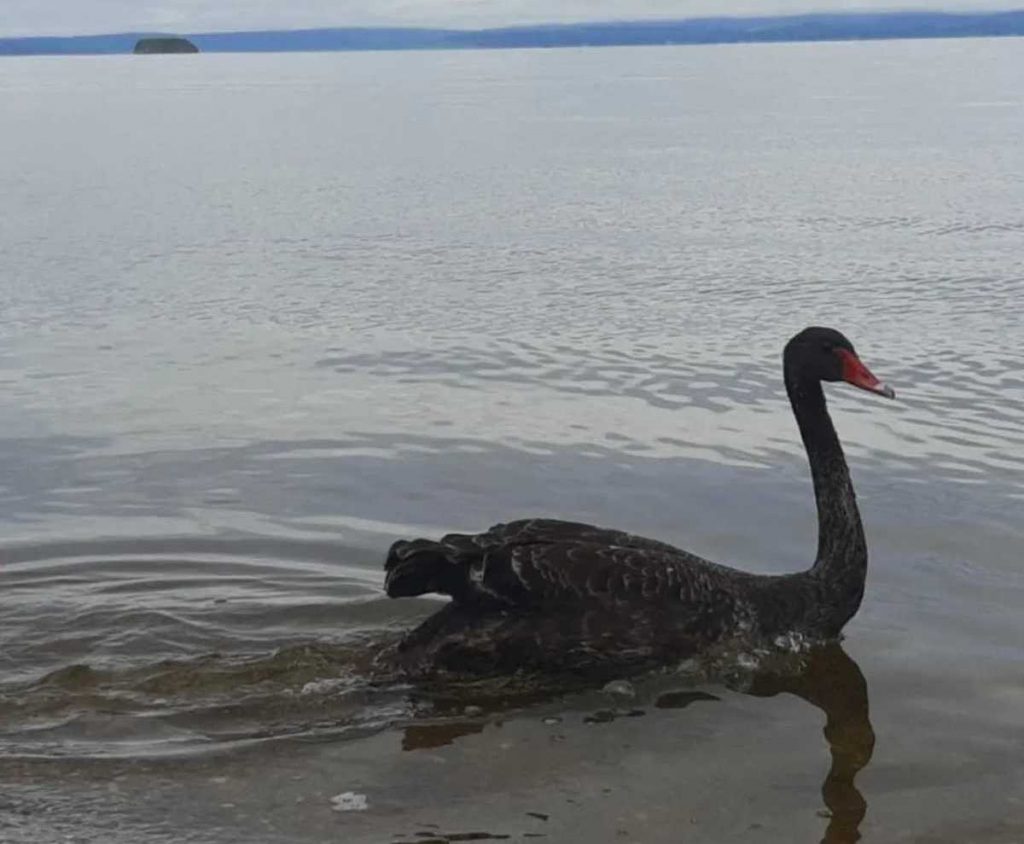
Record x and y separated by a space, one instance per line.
620 688
349 801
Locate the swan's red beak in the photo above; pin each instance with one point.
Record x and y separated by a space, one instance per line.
856 373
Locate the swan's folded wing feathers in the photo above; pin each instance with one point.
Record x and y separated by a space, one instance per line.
530 531
568 572
540 562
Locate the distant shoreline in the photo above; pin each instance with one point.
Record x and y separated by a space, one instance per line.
860 26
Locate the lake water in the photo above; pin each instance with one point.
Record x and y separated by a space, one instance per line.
262 315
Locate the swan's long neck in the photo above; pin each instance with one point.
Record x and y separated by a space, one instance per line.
841 563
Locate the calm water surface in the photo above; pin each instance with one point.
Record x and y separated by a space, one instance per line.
262 315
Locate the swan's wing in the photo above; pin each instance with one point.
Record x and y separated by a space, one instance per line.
533 531
544 562
559 572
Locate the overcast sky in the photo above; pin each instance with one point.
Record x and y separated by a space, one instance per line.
62 17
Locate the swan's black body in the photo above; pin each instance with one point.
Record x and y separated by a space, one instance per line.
546 594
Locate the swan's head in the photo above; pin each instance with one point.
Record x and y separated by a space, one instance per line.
825 354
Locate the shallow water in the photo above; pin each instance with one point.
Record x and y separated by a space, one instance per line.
263 315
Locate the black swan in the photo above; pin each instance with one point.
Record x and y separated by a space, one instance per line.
542 594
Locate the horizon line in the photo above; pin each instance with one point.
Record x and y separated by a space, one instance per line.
783 16
803 27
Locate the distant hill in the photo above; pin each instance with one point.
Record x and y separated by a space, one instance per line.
161 46
810 27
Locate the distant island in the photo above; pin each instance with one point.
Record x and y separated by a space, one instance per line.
840 26
146 46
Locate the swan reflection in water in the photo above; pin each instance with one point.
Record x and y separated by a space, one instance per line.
827 678
833 683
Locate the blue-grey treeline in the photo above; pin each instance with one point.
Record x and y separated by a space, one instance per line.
722 30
